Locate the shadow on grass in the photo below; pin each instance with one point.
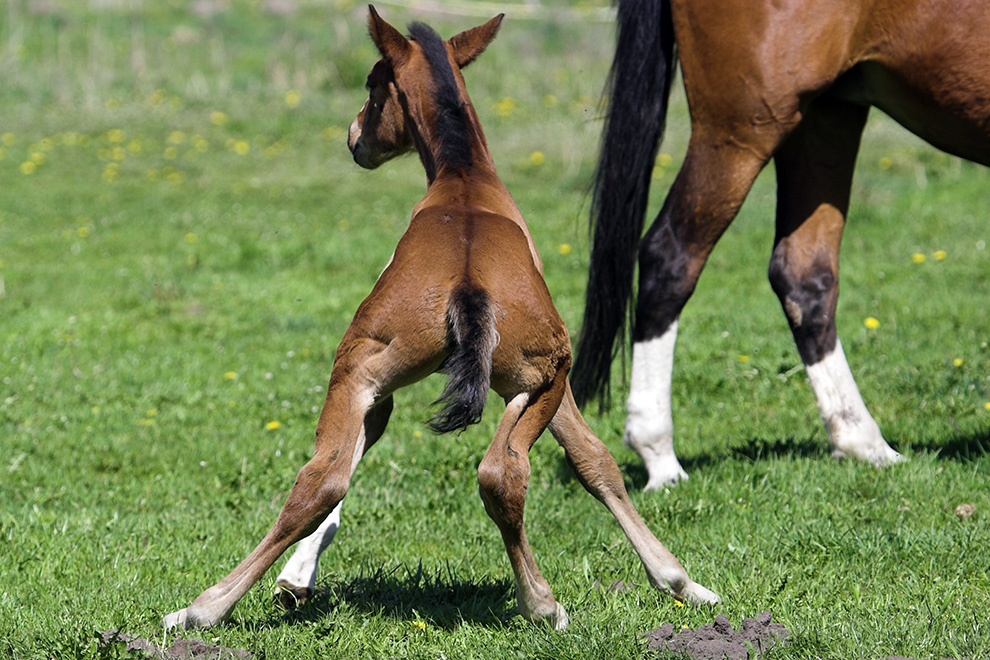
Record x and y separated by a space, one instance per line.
963 448
439 598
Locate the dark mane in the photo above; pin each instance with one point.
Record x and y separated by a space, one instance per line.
452 120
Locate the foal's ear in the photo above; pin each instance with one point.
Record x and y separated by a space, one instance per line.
469 44
389 41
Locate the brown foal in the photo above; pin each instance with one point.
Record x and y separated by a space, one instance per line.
463 295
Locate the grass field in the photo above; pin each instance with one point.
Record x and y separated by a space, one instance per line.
184 238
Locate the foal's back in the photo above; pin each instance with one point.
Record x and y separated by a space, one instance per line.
447 248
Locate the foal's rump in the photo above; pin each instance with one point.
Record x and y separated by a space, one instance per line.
464 278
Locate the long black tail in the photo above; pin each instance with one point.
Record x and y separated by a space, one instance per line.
473 339
638 88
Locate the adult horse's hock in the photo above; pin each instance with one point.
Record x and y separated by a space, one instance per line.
791 81
463 295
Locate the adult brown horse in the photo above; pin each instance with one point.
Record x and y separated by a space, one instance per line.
463 294
792 81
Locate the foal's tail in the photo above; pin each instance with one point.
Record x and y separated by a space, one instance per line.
638 88
472 338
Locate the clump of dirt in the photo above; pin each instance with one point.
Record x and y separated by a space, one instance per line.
717 640
182 649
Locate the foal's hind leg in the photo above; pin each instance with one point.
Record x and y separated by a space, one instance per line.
503 478
814 174
319 487
297 580
599 474
711 186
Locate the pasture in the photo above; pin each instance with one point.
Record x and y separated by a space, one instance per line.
184 238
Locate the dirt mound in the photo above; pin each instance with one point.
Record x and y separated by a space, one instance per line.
717 640
182 649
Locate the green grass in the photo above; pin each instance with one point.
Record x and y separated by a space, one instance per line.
183 256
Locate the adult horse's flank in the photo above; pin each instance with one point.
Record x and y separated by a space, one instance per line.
464 295
791 81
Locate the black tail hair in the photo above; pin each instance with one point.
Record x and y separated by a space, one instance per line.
638 89
473 339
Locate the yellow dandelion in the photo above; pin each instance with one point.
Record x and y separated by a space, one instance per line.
918 258
95 410
272 425
417 434
292 98
537 158
176 137
46 144
420 624
957 362
665 160
743 358
885 163
191 238
679 603
8 139
550 101
28 167
230 375
201 145
871 323
144 421
218 118
38 158
152 412
110 174
505 106
134 146
175 178
939 255
987 406
117 153
171 153
115 135
241 148
83 231
564 249
332 132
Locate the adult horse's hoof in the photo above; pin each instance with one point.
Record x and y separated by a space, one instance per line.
289 597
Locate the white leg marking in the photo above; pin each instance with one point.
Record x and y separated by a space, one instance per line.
649 421
851 429
300 571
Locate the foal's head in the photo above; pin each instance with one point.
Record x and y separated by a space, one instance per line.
411 85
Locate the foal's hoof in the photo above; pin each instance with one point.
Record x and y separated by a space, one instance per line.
560 620
695 594
289 597
178 620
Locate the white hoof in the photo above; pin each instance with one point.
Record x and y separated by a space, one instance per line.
178 620
664 471
695 594
560 620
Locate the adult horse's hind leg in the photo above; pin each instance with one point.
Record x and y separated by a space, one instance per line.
711 186
598 473
503 477
814 174
297 579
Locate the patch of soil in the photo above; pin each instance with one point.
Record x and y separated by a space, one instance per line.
182 649
717 640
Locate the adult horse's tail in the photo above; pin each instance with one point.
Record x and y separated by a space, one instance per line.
472 337
638 89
